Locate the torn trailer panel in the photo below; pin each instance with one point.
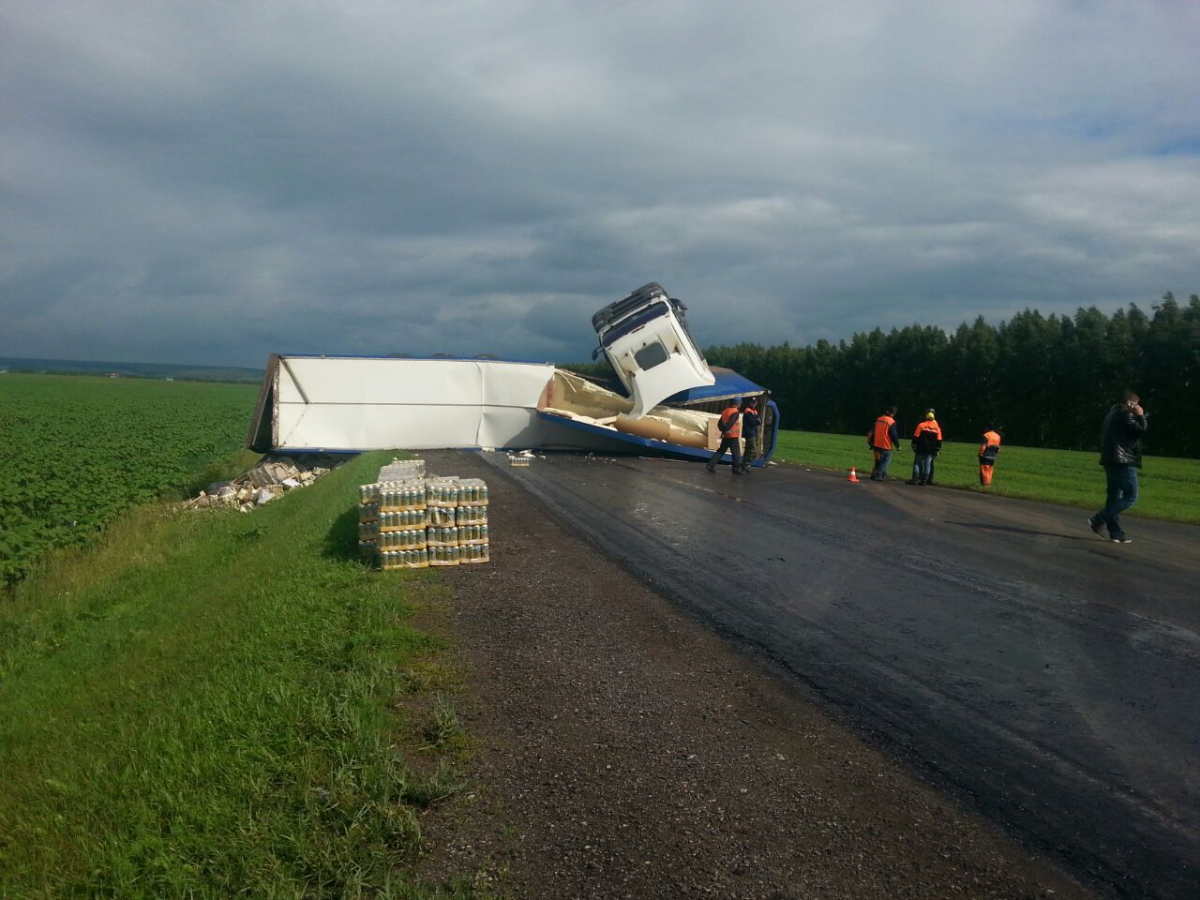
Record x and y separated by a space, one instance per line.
366 403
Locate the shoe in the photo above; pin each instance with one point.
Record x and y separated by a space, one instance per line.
738 472
1122 540
927 483
711 468
1097 527
912 481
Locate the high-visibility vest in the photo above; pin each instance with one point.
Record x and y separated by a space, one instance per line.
732 417
928 425
990 447
883 438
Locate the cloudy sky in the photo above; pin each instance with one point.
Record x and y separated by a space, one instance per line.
207 182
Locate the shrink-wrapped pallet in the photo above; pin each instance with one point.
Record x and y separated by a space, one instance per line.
407 520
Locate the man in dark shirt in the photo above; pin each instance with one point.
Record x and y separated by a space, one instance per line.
926 445
751 429
1121 456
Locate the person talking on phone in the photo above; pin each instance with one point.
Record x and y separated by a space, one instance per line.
1121 456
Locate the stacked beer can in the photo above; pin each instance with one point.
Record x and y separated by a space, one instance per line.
457 532
392 518
409 521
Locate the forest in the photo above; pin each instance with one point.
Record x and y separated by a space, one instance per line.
1046 380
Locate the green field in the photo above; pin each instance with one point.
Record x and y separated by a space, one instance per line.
208 704
1168 488
75 451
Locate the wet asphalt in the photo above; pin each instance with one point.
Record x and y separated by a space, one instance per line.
1045 678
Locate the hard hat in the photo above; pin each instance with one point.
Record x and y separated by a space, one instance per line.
929 415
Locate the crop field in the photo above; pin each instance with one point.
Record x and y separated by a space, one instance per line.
1168 488
208 704
75 451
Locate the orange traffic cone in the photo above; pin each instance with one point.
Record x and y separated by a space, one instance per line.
853 475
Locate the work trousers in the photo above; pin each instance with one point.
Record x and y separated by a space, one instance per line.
985 473
753 448
1122 484
883 459
923 468
735 449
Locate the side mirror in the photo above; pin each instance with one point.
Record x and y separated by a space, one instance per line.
595 353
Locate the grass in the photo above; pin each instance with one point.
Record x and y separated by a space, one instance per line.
212 704
1168 488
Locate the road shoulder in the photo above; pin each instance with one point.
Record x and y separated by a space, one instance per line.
626 751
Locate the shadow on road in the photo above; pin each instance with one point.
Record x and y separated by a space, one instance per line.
979 526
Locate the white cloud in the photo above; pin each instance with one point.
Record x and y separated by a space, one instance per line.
477 176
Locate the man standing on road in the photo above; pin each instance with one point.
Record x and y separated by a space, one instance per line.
883 438
751 427
989 447
730 425
1121 456
926 443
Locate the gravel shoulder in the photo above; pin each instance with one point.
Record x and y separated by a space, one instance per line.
627 751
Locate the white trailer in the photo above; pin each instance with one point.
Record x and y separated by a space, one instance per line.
350 404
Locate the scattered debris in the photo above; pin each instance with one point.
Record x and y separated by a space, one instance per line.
521 460
272 477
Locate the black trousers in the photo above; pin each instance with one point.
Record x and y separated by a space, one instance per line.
732 445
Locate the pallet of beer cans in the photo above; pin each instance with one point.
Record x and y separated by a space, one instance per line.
408 520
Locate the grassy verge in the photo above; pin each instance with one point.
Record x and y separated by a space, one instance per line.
212 704
1169 488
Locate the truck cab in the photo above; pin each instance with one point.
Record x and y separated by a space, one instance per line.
645 337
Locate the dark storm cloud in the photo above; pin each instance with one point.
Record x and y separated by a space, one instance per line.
210 182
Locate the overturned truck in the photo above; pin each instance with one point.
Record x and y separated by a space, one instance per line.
665 400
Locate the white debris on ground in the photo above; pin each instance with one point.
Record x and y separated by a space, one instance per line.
272 477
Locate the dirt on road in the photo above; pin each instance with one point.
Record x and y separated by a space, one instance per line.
627 751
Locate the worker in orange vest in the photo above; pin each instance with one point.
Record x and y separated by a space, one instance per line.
730 426
989 448
883 438
926 444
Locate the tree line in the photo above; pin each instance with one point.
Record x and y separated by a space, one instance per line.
1048 380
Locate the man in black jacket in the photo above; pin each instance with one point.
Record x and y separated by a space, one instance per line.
1121 456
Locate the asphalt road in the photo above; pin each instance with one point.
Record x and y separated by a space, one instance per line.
1046 678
